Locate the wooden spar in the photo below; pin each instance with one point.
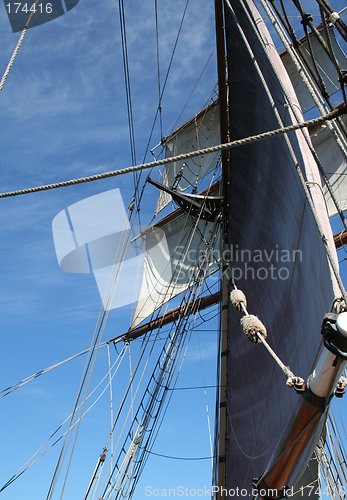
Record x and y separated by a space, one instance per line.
308 419
222 420
303 431
340 239
170 316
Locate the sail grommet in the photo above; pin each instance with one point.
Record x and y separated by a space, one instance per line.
238 299
251 325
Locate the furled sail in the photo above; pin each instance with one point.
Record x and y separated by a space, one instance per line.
201 132
334 164
330 155
171 264
326 68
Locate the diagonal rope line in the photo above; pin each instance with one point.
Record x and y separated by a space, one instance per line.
184 156
18 46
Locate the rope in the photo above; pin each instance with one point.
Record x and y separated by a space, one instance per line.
180 458
158 110
306 78
112 280
17 47
36 456
111 399
343 108
26 380
184 156
148 412
256 332
89 363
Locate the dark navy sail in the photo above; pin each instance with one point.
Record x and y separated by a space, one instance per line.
278 257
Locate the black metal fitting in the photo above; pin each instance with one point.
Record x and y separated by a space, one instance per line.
343 77
332 338
306 19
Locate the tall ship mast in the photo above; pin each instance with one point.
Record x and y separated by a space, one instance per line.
235 227
267 181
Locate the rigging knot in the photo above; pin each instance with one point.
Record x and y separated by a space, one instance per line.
131 205
256 332
339 306
102 457
238 299
297 383
340 387
251 325
334 16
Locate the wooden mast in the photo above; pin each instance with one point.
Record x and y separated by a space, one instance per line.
222 424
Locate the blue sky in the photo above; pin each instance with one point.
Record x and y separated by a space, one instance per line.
63 115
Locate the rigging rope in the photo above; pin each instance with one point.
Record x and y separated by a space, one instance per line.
300 174
158 67
26 380
112 280
159 108
167 75
157 392
185 326
206 404
256 332
305 73
306 21
18 45
111 399
305 76
156 163
36 456
86 377
180 458
127 83
88 364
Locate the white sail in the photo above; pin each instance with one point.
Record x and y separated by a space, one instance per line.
334 164
94 236
326 68
201 132
171 261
